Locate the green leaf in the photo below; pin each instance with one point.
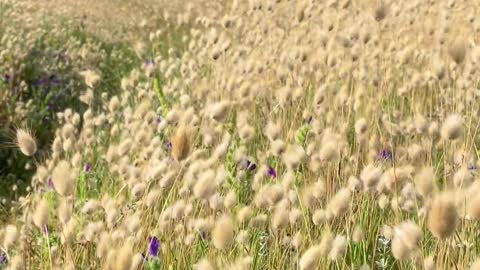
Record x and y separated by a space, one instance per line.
301 135
153 264
161 97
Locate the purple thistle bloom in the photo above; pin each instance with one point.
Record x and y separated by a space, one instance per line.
168 145
385 154
88 167
272 172
251 166
148 63
45 229
154 246
3 259
50 184
203 235
158 119
309 119
7 77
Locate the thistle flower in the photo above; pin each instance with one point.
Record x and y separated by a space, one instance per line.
3 260
26 142
385 154
251 166
271 172
154 246
88 167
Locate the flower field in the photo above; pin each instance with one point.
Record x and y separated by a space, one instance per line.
230 134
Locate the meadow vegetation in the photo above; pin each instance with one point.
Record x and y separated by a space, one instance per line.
261 134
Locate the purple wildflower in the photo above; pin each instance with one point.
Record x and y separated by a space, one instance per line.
168 145
385 154
309 119
154 246
3 259
50 184
50 105
203 235
56 81
251 166
7 77
88 167
148 63
45 229
271 172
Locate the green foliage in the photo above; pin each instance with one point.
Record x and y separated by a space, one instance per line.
302 133
153 263
161 97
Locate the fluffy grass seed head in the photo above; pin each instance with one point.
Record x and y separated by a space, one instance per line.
181 143
429 263
11 236
223 234
26 142
443 216
311 258
63 179
458 50
406 240
40 216
203 264
340 203
452 127
424 182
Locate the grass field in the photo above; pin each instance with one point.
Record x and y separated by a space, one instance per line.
261 134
